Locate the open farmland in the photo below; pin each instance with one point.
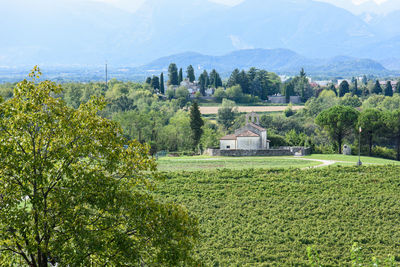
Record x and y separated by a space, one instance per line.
259 217
247 109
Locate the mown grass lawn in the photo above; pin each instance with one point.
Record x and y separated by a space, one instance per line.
210 163
351 160
237 163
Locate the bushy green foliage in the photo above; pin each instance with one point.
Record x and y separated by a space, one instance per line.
270 217
339 122
75 192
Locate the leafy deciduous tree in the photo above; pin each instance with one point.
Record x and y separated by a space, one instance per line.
74 192
371 122
339 122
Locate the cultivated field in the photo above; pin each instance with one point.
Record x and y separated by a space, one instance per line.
261 217
214 110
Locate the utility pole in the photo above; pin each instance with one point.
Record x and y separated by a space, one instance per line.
106 78
359 163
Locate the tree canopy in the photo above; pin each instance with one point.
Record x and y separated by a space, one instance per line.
173 78
339 122
75 192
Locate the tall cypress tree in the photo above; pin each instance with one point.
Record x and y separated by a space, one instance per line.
355 87
244 82
377 88
196 124
344 88
162 89
364 80
173 74
180 77
234 78
398 87
215 79
388 89
190 73
203 82
155 82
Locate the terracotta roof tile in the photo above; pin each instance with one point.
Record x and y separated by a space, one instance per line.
257 126
229 137
248 134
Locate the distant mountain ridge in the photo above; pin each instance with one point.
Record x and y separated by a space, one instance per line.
276 60
49 32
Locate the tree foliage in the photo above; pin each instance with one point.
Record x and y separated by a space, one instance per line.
204 81
339 122
388 89
190 73
75 192
196 123
173 74
377 89
162 86
344 88
372 124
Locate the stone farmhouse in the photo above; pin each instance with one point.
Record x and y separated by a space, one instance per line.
252 140
250 137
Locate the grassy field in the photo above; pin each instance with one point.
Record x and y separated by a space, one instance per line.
260 217
210 163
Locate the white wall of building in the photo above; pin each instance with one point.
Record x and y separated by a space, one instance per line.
249 143
227 144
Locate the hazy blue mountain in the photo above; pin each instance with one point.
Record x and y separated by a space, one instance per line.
276 60
68 32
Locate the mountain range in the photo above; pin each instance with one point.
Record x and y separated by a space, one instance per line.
282 61
86 33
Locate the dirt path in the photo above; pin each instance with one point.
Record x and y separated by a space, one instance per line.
214 110
324 162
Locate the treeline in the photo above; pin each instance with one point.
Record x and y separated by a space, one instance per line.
248 86
163 121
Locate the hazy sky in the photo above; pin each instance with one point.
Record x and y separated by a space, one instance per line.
132 5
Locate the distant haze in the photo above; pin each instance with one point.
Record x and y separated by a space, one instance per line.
136 32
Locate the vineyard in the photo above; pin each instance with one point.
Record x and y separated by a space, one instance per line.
258 217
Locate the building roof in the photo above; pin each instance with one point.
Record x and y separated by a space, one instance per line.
248 134
257 126
229 137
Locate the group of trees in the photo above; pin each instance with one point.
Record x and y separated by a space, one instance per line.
376 126
255 82
175 77
365 88
298 86
157 83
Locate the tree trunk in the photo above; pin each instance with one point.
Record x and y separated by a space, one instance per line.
340 145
